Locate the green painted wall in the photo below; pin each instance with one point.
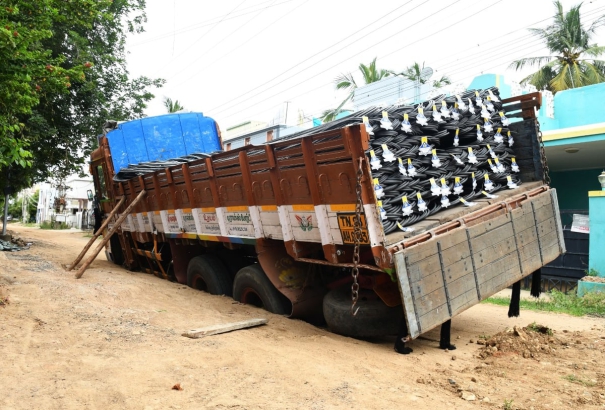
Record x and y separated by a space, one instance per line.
573 186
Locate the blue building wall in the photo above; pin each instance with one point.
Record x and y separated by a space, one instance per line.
576 107
491 80
596 260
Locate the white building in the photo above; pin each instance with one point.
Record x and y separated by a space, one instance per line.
77 205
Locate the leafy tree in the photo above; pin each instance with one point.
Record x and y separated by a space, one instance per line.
28 72
78 81
346 81
172 106
573 60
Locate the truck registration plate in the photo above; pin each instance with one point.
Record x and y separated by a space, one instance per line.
346 224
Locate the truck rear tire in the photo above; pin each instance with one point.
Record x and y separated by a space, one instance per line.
115 253
208 273
251 286
374 318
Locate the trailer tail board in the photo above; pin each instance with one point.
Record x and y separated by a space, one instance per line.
453 271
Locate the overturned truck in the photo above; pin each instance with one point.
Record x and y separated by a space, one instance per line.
415 211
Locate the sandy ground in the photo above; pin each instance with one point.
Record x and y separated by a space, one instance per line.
112 340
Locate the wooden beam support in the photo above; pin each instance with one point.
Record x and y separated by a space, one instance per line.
96 235
223 328
111 232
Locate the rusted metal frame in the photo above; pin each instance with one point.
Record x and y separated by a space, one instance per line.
527 104
340 264
121 191
133 192
331 157
293 248
258 164
188 185
247 178
138 251
146 208
358 141
157 191
316 194
292 163
213 184
124 238
129 255
172 188
145 253
535 96
273 175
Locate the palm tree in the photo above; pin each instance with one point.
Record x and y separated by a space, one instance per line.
414 73
573 59
346 81
172 106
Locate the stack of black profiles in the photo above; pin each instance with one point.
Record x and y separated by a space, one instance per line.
438 154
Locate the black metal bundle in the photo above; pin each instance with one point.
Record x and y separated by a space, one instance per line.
451 146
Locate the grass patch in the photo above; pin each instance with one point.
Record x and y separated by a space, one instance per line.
54 225
591 304
540 329
575 379
508 404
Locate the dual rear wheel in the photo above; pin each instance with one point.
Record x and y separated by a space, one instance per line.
250 285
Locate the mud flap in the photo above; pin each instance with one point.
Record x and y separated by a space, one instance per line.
293 279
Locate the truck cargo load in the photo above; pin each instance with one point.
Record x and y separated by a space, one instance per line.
290 225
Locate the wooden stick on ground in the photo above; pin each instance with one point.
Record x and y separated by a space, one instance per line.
224 328
96 235
111 232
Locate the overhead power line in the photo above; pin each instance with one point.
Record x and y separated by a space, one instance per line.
348 37
453 64
207 23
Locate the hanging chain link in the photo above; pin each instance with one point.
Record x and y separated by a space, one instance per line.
357 240
545 170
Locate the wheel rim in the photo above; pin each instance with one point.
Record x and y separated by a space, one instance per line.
251 297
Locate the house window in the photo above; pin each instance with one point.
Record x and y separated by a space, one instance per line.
228 146
269 135
247 141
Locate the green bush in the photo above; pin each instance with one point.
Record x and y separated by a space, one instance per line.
592 304
54 225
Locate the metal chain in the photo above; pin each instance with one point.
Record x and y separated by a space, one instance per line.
357 240
545 170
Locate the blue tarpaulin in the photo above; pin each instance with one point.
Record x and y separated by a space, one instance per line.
161 138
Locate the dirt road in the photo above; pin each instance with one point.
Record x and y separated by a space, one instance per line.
112 340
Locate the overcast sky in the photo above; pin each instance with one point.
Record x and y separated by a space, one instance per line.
239 60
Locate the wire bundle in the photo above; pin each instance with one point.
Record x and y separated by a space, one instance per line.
437 154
